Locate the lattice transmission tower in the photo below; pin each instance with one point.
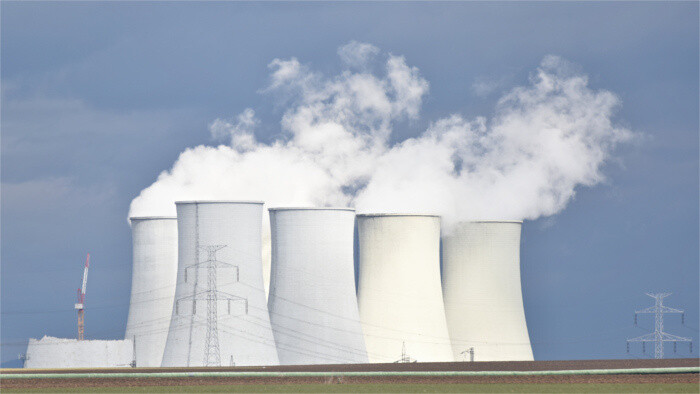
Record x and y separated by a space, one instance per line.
211 294
659 336
212 353
405 358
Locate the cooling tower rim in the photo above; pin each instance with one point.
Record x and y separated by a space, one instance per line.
311 209
220 202
153 218
376 215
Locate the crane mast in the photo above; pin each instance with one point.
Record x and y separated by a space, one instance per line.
80 305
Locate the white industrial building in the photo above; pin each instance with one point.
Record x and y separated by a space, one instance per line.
154 274
399 290
219 315
51 352
482 291
312 299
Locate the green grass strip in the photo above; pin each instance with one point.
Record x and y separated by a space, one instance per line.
388 388
266 374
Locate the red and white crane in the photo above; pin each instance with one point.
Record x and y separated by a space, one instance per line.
80 305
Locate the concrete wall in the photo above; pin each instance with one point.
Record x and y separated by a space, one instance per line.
50 352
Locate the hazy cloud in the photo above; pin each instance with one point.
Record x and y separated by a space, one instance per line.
357 54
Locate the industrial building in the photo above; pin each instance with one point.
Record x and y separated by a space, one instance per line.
482 291
399 290
50 352
312 301
154 274
219 314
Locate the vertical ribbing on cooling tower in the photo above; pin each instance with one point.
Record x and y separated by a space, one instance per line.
154 274
312 301
399 292
219 315
482 291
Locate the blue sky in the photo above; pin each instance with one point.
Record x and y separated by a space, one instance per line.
99 98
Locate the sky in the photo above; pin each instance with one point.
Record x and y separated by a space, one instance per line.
99 98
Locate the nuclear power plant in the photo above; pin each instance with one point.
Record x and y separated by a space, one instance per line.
344 289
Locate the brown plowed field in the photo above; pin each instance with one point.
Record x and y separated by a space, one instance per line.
461 366
450 366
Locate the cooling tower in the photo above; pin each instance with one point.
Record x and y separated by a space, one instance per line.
219 316
483 297
153 280
312 301
399 292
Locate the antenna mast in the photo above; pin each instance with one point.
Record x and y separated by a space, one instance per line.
659 336
80 305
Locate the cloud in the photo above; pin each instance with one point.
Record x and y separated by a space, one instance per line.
487 86
357 54
240 132
334 131
545 139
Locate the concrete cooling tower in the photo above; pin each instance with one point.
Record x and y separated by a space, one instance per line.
312 300
399 291
483 297
153 280
219 315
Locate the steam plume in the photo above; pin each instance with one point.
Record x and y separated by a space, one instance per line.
525 161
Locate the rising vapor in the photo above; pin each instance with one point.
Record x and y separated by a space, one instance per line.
524 162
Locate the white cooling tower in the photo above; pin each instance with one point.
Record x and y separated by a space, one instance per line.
399 292
483 297
312 301
153 278
220 313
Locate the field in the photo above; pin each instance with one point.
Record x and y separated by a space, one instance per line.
638 376
391 388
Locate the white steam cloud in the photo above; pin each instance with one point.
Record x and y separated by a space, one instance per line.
525 161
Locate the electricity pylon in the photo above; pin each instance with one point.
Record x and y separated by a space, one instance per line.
212 352
405 358
659 336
